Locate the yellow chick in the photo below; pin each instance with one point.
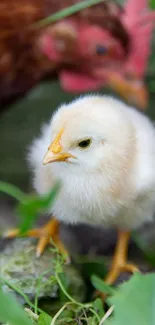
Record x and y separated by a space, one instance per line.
103 153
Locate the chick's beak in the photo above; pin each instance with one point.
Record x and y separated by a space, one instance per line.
51 157
55 151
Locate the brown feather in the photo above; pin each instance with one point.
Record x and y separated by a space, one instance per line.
22 64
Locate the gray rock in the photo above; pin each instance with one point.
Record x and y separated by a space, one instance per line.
19 265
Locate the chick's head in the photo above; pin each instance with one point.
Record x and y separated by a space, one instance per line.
91 134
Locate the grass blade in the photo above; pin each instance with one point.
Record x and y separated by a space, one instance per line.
12 190
66 12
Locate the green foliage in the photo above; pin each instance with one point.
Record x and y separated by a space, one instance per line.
16 289
29 206
44 319
134 301
11 311
152 4
98 306
100 285
32 205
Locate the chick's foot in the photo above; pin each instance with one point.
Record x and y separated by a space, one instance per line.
119 263
48 231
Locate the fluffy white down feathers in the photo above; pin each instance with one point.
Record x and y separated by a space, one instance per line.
112 182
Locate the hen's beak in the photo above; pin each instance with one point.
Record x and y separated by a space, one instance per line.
133 91
51 157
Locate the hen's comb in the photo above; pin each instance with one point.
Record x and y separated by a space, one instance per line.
139 22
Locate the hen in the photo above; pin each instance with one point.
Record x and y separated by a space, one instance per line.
101 45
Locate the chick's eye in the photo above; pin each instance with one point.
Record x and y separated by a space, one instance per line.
84 143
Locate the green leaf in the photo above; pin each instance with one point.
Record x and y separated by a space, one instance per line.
12 190
100 285
11 312
32 205
148 252
98 306
134 301
66 12
44 319
152 4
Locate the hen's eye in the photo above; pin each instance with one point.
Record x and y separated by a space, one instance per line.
84 143
101 50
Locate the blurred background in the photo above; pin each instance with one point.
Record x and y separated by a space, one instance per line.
103 46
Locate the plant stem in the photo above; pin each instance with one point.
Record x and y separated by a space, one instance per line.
59 312
13 287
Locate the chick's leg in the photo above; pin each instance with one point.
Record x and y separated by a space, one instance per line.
48 231
119 263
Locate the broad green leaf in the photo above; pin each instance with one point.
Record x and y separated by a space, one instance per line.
98 306
44 319
11 312
100 285
134 301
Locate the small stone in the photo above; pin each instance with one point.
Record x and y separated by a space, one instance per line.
19 265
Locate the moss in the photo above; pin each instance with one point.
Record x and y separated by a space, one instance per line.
19 265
